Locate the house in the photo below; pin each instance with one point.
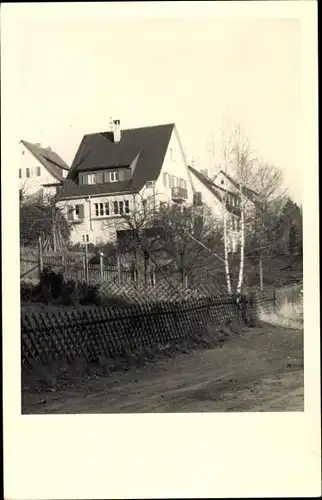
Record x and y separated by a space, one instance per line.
225 181
223 196
41 171
116 173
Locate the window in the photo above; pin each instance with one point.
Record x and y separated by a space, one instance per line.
99 209
119 208
114 176
20 173
91 179
102 209
75 212
165 179
79 211
222 181
38 171
27 172
85 238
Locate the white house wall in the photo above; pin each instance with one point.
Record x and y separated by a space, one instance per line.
208 198
33 185
222 181
101 229
216 208
174 164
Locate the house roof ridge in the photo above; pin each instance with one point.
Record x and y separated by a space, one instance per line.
170 124
143 149
48 158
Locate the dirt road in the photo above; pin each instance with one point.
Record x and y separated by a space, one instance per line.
260 370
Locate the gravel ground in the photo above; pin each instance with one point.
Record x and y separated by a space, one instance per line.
259 370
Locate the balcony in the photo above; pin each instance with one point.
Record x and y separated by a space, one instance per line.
179 194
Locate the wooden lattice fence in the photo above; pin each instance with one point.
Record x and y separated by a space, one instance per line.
91 333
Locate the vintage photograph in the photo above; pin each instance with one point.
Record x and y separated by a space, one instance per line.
160 204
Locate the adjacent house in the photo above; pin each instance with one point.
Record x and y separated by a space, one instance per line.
223 196
222 202
115 173
41 171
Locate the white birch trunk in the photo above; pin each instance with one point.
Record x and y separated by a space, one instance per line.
227 271
242 249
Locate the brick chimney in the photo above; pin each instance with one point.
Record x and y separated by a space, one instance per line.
117 131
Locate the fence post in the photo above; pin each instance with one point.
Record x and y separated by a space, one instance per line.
41 260
86 263
84 268
119 274
102 266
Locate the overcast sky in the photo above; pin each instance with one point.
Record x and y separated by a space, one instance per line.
204 75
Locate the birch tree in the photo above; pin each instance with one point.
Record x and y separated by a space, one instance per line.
225 151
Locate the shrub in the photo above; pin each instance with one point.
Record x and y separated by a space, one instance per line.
69 293
88 293
50 285
27 291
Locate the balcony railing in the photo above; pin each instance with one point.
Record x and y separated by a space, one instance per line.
179 194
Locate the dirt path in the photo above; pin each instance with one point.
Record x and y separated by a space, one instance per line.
260 370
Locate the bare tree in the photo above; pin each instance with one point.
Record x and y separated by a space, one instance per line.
171 236
43 219
261 194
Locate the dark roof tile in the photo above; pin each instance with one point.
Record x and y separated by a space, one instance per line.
51 160
148 145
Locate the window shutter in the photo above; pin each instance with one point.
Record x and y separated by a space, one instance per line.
106 177
70 210
81 211
127 174
99 178
121 175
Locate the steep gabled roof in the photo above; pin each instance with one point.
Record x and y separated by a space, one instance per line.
250 193
51 160
215 190
142 149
